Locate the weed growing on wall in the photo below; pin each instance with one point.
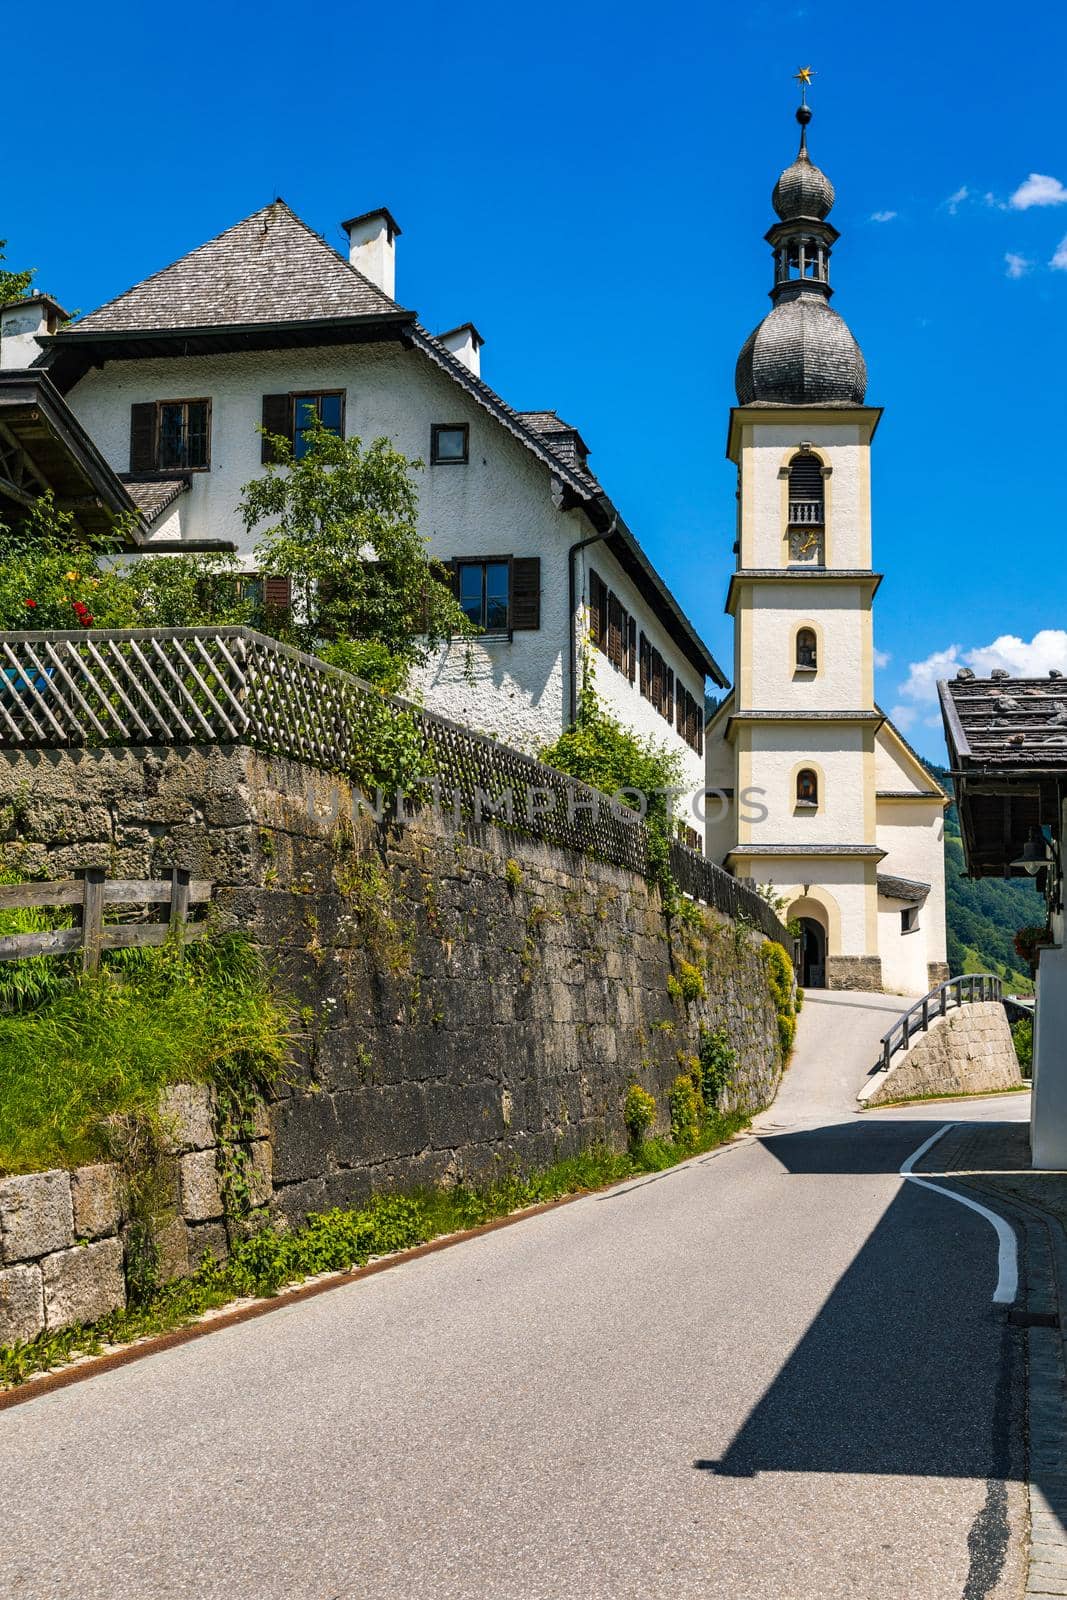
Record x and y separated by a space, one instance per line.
779 970
90 1058
718 1065
335 1241
639 1113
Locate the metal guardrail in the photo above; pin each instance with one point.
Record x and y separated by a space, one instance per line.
232 685
953 992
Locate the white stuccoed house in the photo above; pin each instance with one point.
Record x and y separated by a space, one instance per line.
266 323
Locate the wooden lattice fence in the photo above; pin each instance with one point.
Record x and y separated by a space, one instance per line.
232 685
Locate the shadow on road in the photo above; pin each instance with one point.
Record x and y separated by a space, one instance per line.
907 1368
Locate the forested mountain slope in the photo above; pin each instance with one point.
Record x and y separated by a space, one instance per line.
984 913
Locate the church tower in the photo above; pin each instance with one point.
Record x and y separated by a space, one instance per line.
800 748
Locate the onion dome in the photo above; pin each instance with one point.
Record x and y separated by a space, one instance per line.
802 353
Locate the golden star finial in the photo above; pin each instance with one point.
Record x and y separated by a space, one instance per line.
803 76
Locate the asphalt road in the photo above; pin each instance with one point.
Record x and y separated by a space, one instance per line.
771 1374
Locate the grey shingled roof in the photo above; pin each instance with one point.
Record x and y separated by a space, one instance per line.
1007 722
911 890
152 496
269 268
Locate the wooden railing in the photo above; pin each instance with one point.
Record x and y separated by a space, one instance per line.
90 894
805 513
191 686
972 986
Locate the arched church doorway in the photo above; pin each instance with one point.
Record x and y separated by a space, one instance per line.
812 954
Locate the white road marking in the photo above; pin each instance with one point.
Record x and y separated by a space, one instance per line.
1007 1250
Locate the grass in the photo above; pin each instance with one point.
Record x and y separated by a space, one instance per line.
88 1055
337 1241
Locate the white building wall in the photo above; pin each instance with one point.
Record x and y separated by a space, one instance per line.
840 886
836 752
841 620
904 955
499 503
765 450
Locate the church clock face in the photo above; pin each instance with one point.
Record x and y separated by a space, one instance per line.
806 546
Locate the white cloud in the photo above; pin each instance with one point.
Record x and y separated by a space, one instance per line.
902 717
954 201
1019 657
1059 260
882 216
1038 190
1017 266
882 658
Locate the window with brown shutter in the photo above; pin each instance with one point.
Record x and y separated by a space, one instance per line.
631 649
277 418
143 437
277 593
525 593
598 603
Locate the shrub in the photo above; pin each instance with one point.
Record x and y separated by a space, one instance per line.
1022 1033
687 1111
780 982
639 1113
718 1063
787 1032
688 984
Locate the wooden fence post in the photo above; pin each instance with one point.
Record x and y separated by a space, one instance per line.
179 895
92 918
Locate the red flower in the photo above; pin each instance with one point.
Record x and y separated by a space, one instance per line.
80 607
31 603
85 619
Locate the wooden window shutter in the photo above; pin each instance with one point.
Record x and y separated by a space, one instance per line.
614 619
668 711
143 437
645 669
596 610
277 418
526 593
277 593
631 649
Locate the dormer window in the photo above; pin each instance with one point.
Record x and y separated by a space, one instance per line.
806 650
807 789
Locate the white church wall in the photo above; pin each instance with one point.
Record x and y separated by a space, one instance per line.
841 621
912 835
836 752
840 885
843 448
721 816
904 955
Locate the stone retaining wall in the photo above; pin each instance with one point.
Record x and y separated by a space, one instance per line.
63 1234
466 997
968 1051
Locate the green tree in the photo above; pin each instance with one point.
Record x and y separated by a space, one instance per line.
343 529
13 285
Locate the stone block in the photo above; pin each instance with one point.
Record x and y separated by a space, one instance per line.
21 1303
83 1284
172 1242
188 1112
260 1182
207 1238
201 1195
304 1137
97 1195
36 1215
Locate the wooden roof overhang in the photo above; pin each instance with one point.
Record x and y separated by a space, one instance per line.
1003 791
69 355
44 447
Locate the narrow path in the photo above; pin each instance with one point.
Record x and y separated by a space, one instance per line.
772 1374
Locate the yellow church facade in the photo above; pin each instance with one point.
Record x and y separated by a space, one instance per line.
822 798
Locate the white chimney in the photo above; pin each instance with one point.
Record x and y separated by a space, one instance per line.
372 247
465 343
21 324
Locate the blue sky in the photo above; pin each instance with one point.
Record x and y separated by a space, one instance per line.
590 185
